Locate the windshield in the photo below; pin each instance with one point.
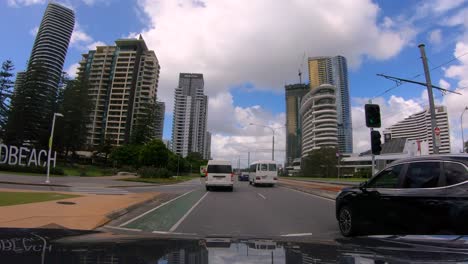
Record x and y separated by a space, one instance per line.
266 119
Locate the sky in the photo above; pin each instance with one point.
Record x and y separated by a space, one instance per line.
248 51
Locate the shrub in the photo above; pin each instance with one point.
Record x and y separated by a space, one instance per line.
32 169
152 172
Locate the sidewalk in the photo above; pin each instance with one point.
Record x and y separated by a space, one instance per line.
88 211
70 181
326 190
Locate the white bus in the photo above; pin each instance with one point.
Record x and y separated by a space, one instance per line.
263 172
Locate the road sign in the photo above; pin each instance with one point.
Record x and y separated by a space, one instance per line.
437 131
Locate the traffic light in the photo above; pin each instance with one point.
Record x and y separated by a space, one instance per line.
372 115
375 142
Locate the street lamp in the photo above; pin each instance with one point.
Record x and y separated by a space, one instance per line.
50 145
461 125
273 138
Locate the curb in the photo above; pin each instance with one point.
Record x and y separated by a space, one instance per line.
324 194
120 212
34 184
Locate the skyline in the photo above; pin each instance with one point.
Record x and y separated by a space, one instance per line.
255 92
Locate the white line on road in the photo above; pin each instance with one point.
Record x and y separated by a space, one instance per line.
314 195
261 196
157 207
297 235
122 228
174 227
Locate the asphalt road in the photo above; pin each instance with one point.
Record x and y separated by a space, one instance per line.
247 211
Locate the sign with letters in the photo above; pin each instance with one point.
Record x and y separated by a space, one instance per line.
23 156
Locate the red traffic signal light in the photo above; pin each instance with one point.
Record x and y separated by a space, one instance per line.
372 115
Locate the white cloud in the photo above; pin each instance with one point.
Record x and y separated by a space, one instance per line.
435 36
234 137
93 45
231 42
393 110
444 84
18 3
71 71
441 6
34 31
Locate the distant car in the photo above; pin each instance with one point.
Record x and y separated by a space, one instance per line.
244 177
419 195
219 174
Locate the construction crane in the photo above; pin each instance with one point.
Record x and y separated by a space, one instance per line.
300 68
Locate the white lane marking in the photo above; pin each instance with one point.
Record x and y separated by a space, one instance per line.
261 196
187 213
122 228
157 207
314 195
297 235
171 233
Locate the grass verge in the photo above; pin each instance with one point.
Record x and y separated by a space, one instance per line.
87 171
162 180
28 174
13 198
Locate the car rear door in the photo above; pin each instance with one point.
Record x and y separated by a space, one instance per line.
456 206
422 200
220 174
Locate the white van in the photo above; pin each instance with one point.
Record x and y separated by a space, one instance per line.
219 174
263 172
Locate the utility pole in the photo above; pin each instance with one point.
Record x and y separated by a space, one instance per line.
248 158
435 145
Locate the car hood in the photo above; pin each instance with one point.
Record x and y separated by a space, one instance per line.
75 246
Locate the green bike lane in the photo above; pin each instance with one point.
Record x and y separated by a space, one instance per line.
167 216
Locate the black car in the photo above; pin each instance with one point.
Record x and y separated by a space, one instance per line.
419 195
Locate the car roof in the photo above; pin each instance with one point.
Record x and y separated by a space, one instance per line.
263 161
463 158
219 162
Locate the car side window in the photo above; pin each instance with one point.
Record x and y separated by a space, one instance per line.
422 175
455 173
388 178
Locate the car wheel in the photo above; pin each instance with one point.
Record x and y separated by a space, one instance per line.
346 222
231 189
207 188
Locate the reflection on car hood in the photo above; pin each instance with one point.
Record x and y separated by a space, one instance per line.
74 246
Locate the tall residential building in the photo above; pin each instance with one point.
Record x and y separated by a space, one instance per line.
159 122
207 151
36 88
51 44
418 127
319 119
294 94
123 82
190 115
334 71
168 144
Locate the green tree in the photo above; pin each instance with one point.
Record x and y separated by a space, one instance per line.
321 163
154 153
195 160
6 89
32 107
105 148
144 128
75 106
126 155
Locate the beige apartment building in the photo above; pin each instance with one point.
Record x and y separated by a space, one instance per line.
123 82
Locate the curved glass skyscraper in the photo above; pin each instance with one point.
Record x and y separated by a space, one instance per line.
52 39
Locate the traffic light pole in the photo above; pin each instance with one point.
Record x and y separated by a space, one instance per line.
373 157
435 146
